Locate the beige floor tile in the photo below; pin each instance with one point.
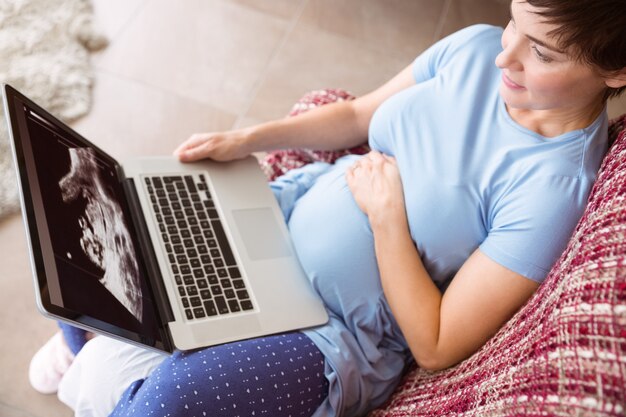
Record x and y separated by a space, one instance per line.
129 118
112 16
286 9
463 13
211 51
313 59
8 411
22 328
398 27
246 122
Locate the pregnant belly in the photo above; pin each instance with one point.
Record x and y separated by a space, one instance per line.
334 243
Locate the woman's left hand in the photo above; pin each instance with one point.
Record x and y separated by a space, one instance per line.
377 187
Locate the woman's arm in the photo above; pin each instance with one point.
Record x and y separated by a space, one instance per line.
338 125
443 330
440 330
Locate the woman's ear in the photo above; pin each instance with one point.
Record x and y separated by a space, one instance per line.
616 79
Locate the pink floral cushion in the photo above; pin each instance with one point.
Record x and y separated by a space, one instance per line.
564 352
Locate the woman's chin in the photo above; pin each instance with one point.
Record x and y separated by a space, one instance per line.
513 100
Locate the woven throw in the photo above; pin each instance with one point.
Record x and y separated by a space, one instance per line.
44 53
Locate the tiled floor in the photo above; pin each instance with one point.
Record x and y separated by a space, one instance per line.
175 68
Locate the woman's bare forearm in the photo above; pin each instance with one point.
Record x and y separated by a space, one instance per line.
333 126
337 125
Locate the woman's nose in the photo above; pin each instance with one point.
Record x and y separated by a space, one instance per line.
502 59
508 58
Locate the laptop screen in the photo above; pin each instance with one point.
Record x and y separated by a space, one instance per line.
86 250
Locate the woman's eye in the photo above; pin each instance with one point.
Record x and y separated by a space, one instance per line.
540 56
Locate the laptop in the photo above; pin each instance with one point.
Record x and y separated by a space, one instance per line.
153 251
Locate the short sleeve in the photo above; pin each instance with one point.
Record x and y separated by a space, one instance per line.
428 63
530 227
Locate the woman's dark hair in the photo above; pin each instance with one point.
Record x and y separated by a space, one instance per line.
593 30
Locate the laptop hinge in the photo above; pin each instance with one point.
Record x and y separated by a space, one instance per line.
147 250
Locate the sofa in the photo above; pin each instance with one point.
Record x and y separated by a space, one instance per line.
564 352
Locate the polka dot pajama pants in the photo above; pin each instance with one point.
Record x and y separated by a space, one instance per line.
275 376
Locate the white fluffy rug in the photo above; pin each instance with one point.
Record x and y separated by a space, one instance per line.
44 53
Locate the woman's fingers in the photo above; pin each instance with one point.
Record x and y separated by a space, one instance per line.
195 140
375 160
192 154
375 157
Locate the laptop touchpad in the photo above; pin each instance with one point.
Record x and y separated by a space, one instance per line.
261 234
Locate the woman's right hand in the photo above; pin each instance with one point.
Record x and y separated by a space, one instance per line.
219 146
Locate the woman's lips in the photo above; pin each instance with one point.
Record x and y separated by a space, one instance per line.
507 81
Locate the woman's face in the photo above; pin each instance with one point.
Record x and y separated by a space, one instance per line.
536 75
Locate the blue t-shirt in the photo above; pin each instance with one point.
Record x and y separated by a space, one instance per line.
472 177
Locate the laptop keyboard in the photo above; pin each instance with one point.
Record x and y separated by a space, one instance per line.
207 277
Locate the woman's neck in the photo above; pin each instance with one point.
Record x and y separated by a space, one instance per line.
555 122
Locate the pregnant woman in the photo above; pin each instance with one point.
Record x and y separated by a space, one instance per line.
484 150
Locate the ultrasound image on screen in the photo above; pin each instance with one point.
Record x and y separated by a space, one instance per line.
92 244
105 237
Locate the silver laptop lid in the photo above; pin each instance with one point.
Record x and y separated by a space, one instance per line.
84 246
